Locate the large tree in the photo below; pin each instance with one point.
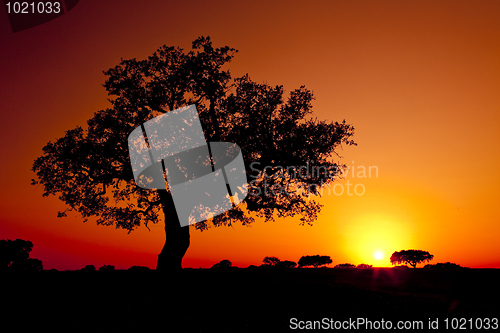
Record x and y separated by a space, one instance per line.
411 257
89 168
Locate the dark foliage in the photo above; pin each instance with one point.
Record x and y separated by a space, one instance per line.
89 268
411 257
89 168
346 265
106 268
139 268
223 264
270 261
315 261
446 265
14 256
286 264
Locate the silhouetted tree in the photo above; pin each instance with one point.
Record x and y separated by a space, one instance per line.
14 255
315 261
89 268
286 264
270 261
106 268
223 264
346 265
89 169
411 257
445 265
139 269
362 266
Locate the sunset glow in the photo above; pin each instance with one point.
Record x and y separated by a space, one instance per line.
379 255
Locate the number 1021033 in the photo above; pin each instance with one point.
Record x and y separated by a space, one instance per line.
38 7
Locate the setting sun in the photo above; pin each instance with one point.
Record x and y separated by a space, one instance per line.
379 255
371 238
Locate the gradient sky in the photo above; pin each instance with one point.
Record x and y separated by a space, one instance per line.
419 80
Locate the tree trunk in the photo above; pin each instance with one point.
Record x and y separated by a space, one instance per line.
177 238
215 123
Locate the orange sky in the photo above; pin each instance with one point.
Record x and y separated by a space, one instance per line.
419 80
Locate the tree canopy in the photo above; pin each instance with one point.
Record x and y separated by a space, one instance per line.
270 261
14 256
315 261
89 168
286 264
411 257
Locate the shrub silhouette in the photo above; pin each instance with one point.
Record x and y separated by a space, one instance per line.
446 265
106 268
89 268
139 269
270 261
286 264
346 265
364 266
223 264
27 265
315 261
276 262
14 256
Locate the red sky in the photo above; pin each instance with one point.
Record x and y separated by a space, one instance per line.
419 81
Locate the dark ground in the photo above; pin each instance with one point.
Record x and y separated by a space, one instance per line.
241 300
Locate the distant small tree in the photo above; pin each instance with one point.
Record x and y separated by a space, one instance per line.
315 261
364 266
270 261
446 265
89 268
106 268
223 264
138 269
346 265
14 255
411 257
286 264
